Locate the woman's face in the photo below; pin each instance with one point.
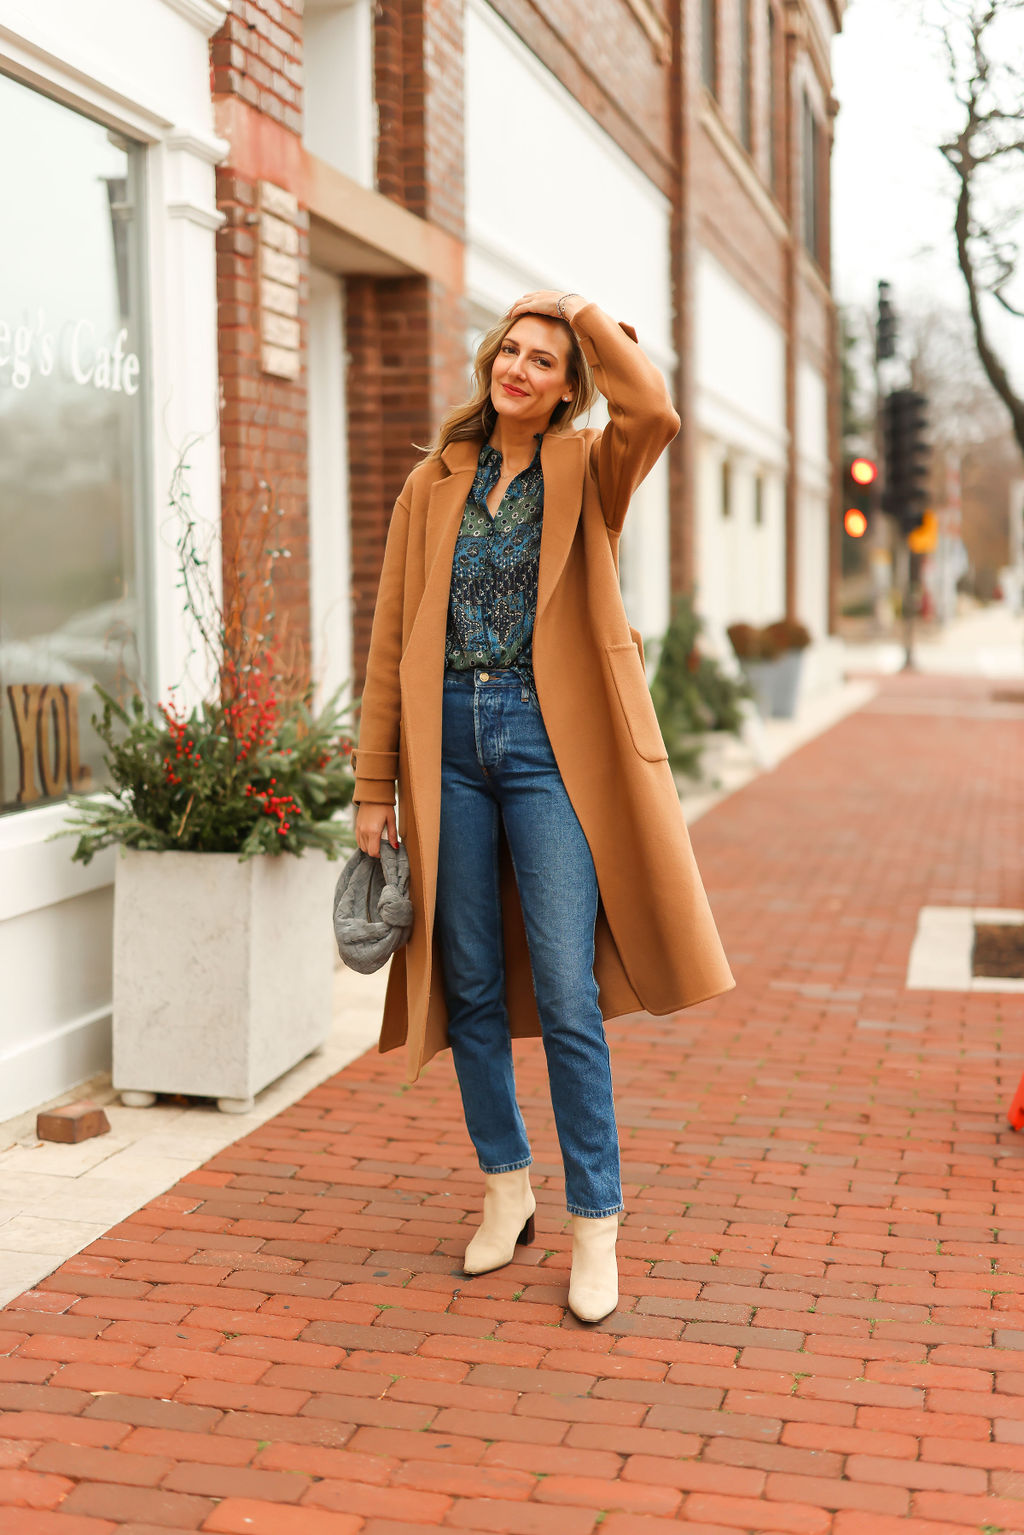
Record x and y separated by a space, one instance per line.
529 376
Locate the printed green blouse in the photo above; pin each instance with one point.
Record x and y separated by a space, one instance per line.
493 600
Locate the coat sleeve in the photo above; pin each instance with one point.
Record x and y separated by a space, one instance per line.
375 759
643 420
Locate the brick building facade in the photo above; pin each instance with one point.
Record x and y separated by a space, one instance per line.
291 218
720 109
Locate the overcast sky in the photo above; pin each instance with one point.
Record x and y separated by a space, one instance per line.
894 196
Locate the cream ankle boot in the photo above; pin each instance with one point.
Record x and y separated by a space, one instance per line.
509 1206
594 1281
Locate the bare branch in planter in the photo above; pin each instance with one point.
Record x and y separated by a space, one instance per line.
250 769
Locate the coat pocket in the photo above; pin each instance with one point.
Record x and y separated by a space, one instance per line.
634 696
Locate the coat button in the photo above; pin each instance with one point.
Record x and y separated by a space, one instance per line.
485 676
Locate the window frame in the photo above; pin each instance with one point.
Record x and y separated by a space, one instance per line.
813 150
776 75
746 74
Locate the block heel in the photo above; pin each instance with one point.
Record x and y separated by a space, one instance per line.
509 1208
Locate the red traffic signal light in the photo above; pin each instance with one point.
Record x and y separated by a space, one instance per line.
859 476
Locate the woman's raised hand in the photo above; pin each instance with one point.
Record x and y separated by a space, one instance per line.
371 823
546 302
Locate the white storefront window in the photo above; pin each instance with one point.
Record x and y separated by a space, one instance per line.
108 380
72 428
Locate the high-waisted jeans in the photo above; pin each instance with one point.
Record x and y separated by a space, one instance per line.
497 766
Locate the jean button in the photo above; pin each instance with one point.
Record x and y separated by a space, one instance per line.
485 676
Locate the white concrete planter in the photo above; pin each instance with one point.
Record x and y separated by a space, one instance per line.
222 972
761 676
789 669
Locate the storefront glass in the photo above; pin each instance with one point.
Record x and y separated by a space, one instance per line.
72 381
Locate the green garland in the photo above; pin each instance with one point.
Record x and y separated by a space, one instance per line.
260 779
252 769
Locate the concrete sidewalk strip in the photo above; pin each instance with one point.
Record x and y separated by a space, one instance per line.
940 959
49 1191
821 1328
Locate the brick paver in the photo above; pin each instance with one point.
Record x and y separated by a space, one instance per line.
822 1313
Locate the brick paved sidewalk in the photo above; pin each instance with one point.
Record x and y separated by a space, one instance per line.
822 1277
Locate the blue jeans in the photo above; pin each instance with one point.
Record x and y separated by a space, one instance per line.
497 764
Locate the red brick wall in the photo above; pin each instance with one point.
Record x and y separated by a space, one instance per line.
389 387
406 337
407 366
758 237
682 453
418 52
256 56
733 227
730 221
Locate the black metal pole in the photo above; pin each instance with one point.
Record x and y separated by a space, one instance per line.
909 611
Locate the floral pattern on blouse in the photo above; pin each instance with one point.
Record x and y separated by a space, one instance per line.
493 600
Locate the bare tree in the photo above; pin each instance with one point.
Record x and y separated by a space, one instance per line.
986 68
963 407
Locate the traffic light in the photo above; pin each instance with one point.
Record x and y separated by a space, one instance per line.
858 495
907 457
885 332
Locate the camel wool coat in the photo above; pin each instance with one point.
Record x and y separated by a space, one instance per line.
656 945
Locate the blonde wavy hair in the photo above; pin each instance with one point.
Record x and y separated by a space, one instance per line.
475 420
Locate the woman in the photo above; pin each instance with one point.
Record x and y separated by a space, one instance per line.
552 875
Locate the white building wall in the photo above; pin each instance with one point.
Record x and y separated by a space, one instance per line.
617 251
329 523
740 402
337 59
813 500
142 67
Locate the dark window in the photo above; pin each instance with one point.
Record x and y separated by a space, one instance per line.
746 77
813 182
709 43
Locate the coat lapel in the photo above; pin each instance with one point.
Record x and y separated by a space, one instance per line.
444 517
563 460
422 666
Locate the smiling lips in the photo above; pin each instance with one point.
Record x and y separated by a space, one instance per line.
511 389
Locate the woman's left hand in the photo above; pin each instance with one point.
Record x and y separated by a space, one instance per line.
546 302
